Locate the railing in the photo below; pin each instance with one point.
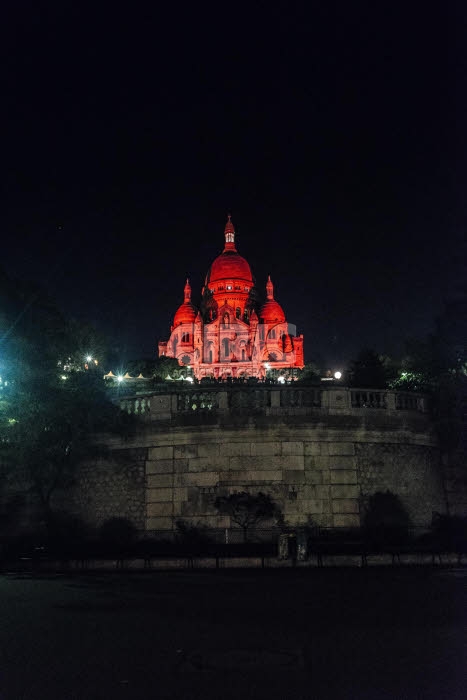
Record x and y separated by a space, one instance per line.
368 399
407 402
268 400
138 406
298 398
197 401
249 400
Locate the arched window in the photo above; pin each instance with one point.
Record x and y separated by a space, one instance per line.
238 312
186 338
226 320
210 356
243 355
226 347
245 316
272 334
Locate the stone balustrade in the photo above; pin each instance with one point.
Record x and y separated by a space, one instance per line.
270 401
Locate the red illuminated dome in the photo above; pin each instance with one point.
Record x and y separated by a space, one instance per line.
230 265
271 311
186 313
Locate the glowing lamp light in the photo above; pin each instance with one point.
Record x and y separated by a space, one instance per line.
281 379
88 358
120 378
190 379
337 375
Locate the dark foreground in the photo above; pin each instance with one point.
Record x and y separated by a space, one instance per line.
342 633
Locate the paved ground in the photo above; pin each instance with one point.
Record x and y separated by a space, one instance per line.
342 633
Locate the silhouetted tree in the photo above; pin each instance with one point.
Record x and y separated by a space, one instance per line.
386 520
368 370
247 510
50 405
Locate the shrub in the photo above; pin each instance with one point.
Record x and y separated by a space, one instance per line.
118 531
386 520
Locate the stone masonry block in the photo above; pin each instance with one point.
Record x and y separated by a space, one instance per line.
314 476
342 462
316 462
267 476
257 463
341 448
159 481
239 477
209 450
156 510
315 505
185 451
346 520
178 508
235 449
312 448
345 505
293 462
180 465
292 448
159 466
343 476
266 448
318 491
166 452
180 493
345 491
159 495
198 479
294 476
323 519
159 523
204 464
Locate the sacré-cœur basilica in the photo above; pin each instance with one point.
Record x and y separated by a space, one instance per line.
231 334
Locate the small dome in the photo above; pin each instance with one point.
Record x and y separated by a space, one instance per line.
272 312
185 314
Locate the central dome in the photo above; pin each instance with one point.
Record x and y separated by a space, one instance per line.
229 265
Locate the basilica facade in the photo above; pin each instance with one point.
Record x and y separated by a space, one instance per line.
232 333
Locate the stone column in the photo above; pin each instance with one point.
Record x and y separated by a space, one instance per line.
275 399
391 401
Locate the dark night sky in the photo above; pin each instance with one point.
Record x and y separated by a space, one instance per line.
333 132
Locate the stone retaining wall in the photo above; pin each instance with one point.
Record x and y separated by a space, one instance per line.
320 455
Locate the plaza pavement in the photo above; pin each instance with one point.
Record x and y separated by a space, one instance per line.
321 633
